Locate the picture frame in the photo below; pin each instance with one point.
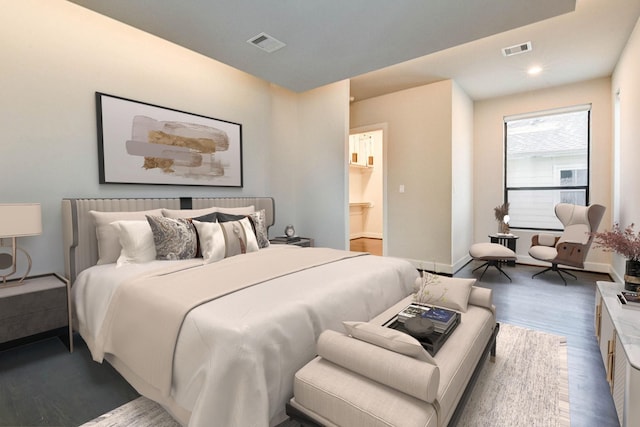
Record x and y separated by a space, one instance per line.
142 143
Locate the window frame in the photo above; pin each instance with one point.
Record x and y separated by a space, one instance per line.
546 113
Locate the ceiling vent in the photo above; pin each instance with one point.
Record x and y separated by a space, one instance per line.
519 48
266 42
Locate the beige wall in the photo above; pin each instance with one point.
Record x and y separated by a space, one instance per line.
489 154
321 174
462 177
418 156
56 55
626 79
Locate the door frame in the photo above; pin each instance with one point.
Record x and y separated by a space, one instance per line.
385 138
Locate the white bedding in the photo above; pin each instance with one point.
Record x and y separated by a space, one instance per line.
236 356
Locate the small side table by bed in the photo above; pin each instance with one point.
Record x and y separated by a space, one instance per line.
305 242
508 240
38 306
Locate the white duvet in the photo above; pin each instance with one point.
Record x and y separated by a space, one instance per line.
236 356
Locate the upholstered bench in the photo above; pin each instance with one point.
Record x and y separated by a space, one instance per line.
370 375
493 254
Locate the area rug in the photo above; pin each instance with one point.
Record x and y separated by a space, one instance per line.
526 386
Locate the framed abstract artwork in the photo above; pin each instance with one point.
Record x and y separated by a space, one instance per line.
141 143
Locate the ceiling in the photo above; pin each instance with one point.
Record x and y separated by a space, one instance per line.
384 46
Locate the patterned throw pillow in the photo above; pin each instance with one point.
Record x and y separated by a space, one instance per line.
259 222
173 238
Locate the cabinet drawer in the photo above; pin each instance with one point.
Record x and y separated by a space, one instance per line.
39 305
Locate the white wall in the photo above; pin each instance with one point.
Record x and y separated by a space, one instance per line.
321 174
489 154
418 156
461 177
626 80
56 55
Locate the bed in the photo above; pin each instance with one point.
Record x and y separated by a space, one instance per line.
215 342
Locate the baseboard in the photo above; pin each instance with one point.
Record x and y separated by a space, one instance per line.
447 269
431 266
458 265
615 276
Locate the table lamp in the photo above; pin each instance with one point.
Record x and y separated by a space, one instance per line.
18 220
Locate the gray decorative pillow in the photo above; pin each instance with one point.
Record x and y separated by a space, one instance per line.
174 238
259 222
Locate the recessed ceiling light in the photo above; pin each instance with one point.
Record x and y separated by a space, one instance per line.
536 69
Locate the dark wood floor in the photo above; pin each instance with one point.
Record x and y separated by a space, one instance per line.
546 304
41 384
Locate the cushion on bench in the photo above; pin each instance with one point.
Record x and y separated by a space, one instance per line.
329 392
415 377
354 382
391 339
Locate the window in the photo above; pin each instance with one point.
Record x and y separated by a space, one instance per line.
546 163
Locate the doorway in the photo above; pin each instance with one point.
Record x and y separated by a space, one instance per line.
366 190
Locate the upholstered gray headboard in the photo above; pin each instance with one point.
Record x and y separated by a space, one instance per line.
79 231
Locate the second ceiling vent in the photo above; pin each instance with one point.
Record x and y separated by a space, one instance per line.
519 48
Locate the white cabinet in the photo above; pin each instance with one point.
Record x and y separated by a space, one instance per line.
618 333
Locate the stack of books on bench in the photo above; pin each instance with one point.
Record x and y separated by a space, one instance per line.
444 324
629 299
441 318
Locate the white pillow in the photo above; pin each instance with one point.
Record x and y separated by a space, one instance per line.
389 338
136 239
447 292
109 247
211 241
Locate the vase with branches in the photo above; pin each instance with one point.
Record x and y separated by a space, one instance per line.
426 289
626 242
502 216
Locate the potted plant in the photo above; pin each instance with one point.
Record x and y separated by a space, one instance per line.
624 242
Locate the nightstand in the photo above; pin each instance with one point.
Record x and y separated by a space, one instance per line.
40 305
304 242
508 240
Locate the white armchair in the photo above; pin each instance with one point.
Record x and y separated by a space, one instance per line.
572 247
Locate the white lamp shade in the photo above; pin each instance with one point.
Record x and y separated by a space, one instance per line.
20 219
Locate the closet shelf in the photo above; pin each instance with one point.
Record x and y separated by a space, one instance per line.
360 204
